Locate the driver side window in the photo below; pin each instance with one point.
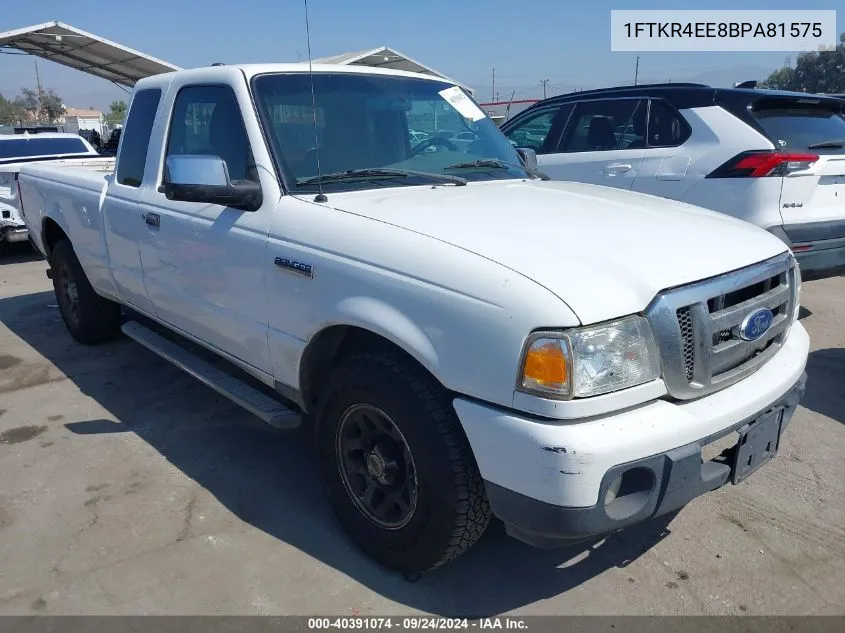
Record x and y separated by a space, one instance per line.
207 121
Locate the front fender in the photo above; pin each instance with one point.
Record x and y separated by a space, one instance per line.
390 323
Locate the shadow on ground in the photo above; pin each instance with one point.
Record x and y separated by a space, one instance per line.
18 253
825 380
268 479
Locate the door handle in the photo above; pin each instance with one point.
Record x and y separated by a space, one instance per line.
152 219
617 168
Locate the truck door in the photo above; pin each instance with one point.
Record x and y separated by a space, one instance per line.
121 204
205 263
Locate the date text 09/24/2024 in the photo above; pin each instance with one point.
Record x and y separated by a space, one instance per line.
414 623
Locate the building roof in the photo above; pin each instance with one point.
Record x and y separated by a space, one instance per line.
83 112
384 57
84 51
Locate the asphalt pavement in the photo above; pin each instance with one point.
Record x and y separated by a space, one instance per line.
126 487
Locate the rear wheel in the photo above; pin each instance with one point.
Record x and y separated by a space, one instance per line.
88 317
399 470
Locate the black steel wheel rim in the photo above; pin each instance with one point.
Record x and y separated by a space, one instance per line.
376 466
68 294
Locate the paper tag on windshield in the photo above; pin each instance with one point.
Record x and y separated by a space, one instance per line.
463 104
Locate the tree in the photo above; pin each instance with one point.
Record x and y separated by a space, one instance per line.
781 79
10 114
48 107
51 106
821 72
28 101
117 110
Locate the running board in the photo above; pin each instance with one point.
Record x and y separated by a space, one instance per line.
259 404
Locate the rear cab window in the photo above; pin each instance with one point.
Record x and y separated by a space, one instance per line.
791 124
135 139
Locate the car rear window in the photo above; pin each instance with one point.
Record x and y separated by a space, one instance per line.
29 147
796 127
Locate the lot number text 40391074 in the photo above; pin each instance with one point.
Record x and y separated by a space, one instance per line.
414 623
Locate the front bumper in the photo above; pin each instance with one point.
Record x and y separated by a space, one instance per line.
547 480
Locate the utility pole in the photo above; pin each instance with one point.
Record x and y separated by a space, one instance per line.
38 88
544 82
637 70
493 91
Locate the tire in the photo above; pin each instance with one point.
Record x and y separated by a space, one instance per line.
89 318
448 512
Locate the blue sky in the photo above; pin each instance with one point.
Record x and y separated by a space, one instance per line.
564 41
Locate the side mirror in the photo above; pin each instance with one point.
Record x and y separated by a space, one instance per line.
192 178
528 156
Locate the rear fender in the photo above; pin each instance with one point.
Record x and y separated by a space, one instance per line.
53 214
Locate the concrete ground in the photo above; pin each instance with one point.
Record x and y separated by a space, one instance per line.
127 487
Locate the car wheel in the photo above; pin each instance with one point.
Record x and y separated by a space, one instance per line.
399 470
88 317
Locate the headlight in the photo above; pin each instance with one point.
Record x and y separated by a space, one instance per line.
590 361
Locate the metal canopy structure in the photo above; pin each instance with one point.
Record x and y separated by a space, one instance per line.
72 47
385 57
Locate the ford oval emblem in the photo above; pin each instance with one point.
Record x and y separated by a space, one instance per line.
756 324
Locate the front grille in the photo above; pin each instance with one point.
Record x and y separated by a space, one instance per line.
685 322
697 327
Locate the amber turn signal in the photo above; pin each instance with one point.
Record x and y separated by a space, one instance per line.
546 366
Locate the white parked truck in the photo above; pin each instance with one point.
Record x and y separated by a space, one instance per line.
16 150
466 338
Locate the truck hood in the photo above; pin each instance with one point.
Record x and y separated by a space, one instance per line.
605 252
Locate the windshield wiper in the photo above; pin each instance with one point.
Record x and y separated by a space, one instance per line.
828 144
378 173
495 163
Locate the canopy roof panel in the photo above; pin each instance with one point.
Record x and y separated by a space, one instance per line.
84 51
384 57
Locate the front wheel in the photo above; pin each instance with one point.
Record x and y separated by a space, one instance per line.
399 470
88 317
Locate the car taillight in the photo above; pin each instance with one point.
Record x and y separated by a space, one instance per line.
764 163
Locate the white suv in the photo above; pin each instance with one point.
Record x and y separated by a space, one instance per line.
776 159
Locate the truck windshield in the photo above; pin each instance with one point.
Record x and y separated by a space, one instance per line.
367 122
33 147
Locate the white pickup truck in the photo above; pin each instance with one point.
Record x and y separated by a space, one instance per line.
466 338
18 149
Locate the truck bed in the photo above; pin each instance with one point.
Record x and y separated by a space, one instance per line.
72 195
86 173
10 215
